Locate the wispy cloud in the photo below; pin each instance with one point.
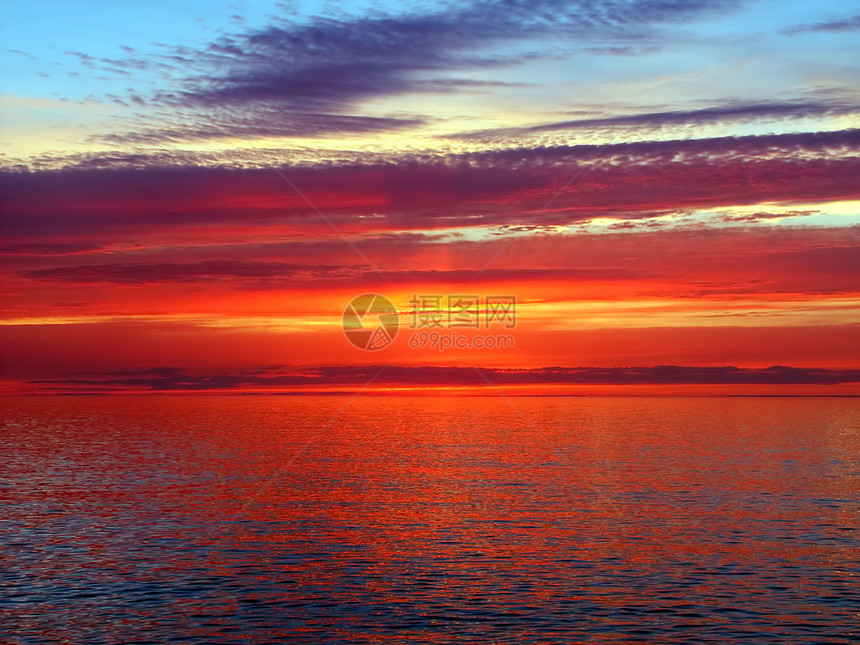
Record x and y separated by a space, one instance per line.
329 64
653 120
315 74
847 24
258 121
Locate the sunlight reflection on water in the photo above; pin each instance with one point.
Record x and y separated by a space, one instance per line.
422 519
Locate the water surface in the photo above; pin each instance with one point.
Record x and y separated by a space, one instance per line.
205 519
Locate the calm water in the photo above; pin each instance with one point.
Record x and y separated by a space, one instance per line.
418 520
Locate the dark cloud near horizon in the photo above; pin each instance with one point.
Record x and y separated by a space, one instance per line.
177 379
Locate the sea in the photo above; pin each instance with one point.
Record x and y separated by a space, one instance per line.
167 518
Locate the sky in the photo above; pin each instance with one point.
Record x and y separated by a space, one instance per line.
663 194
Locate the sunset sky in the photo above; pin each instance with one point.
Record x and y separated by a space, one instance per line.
193 192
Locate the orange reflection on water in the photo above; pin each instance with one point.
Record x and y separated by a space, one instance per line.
418 519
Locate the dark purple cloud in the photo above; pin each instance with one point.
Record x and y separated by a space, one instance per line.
204 271
244 274
47 248
496 188
314 72
333 63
